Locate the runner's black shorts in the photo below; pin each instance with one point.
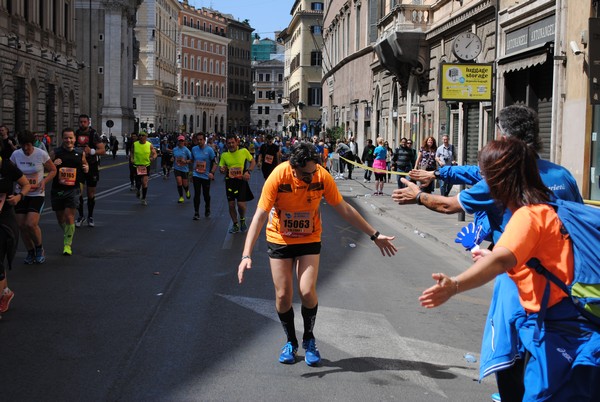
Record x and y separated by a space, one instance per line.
179 173
166 160
92 177
238 189
30 204
63 199
285 251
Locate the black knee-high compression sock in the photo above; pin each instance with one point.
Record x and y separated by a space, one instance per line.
80 208
287 321
91 205
309 315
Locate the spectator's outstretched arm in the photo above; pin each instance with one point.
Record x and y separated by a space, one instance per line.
412 194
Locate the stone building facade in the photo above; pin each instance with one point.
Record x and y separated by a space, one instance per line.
348 55
108 50
239 91
155 87
303 92
203 70
39 69
267 111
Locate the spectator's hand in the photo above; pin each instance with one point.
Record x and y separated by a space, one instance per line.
424 176
480 253
407 195
439 293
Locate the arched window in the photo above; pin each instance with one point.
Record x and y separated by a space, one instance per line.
185 87
199 64
185 61
211 67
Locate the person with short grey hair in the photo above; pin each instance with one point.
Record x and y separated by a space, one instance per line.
445 156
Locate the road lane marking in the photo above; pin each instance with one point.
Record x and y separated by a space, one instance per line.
371 336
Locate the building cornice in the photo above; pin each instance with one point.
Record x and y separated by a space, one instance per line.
448 25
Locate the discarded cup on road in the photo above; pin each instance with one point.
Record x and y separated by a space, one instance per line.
470 358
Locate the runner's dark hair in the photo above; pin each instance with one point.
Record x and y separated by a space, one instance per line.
303 152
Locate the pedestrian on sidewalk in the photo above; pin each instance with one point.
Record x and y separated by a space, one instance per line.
402 160
367 158
426 161
445 156
290 200
380 165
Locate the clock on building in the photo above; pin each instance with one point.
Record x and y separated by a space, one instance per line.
466 46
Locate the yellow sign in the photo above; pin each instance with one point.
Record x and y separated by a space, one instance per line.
466 82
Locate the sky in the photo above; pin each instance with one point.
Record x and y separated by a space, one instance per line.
265 16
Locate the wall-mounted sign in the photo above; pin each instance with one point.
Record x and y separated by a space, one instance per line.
466 82
535 34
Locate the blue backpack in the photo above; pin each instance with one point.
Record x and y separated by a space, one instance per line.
582 223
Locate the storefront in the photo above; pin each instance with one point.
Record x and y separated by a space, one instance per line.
525 73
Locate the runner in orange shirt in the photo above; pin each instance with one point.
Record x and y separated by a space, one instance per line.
290 199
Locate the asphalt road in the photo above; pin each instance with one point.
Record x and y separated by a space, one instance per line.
148 309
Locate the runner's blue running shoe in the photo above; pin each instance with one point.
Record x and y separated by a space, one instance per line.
288 354
312 357
496 397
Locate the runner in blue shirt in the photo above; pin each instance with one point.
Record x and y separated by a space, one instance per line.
204 168
181 169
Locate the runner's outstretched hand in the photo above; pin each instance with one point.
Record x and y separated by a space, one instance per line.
385 245
245 264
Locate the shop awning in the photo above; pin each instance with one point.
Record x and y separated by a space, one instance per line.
526 59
